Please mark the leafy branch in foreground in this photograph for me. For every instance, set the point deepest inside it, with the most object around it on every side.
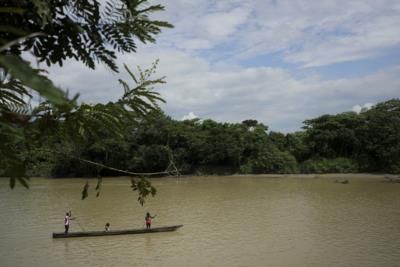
(144, 189)
(76, 124)
(143, 91)
(89, 31)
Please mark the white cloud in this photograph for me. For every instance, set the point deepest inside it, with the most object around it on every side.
(311, 33)
(270, 95)
(189, 116)
(358, 108)
(194, 44)
(99, 85)
(365, 41)
(222, 24)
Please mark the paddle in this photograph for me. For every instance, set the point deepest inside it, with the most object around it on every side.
(74, 218)
(70, 216)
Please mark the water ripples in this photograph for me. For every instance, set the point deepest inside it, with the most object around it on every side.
(228, 221)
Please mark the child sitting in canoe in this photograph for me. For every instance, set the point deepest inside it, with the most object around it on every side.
(107, 227)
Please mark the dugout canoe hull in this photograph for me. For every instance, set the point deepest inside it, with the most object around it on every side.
(118, 232)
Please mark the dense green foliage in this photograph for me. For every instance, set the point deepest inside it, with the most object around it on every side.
(371, 139)
(342, 143)
(85, 30)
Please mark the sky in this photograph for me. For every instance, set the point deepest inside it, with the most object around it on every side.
(276, 61)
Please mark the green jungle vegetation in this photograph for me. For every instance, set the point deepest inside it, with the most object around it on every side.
(63, 137)
(343, 143)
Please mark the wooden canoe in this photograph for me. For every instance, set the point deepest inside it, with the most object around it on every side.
(117, 232)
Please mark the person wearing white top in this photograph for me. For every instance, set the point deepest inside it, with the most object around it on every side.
(67, 220)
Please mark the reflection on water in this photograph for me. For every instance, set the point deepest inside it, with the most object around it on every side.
(228, 221)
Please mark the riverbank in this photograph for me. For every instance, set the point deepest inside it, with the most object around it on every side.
(333, 176)
(324, 175)
(343, 178)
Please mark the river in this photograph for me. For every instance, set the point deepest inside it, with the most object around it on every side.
(228, 221)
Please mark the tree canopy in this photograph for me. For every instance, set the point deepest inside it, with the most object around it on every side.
(346, 142)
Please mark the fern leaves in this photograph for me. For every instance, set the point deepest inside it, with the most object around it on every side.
(21, 70)
(141, 98)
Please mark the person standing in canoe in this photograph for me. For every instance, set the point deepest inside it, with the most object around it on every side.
(148, 219)
(67, 220)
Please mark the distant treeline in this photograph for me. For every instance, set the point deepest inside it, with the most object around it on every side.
(368, 141)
